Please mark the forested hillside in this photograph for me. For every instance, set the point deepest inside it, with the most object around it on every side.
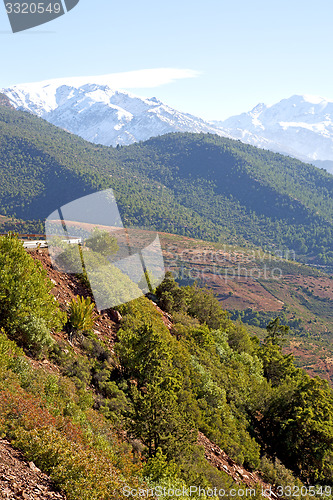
(198, 185)
(265, 198)
(103, 406)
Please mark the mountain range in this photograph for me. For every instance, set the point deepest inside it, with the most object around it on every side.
(102, 115)
(214, 405)
(300, 126)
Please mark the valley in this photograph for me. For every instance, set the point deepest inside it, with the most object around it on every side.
(265, 286)
(202, 187)
(166, 251)
(255, 287)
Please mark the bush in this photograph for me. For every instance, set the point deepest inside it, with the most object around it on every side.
(35, 335)
(277, 474)
(102, 242)
(84, 474)
(25, 299)
(81, 314)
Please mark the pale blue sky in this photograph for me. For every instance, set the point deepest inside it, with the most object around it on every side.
(245, 52)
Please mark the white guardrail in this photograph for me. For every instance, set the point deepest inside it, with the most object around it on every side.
(43, 243)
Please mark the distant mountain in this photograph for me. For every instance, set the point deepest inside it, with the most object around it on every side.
(91, 109)
(301, 126)
(198, 185)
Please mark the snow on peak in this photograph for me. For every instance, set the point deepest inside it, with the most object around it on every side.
(95, 110)
(259, 108)
(301, 126)
(311, 99)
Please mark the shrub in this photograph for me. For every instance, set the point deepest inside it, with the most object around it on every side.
(81, 314)
(25, 299)
(102, 242)
(8, 352)
(36, 335)
(277, 474)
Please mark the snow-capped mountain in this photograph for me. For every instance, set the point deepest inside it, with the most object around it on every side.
(301, 126)
(100, 114)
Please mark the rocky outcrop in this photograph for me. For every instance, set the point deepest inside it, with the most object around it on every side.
(5, 101)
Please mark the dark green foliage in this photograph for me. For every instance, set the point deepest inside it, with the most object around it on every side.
(197, 302)
(265, 198)
(102, 242)
(276, 473)
(277, 366)
(204, 306)
(79, 369)
(162, 386)
(298, 425)
(262, 318)
(171, 379)
(240, 340)
(296, 422)
(22, 226)
(35, 334)
(171, 296)
(255, 390)
(276, 332)
(159, 417)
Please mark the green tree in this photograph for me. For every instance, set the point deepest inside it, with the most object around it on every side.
(171, 296)
(298, 427)
(277, 366)
(25, 299)
(159, 420)
(102, 242)
(158, 416)
(276, 332)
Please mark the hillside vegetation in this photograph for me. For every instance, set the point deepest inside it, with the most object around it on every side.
(198, 185)
(257, 286)
(103, 416)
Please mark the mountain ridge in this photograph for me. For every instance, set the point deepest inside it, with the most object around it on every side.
(198, 185)
(103, 115)
(300, 126)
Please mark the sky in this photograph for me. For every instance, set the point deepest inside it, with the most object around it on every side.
(213, 59)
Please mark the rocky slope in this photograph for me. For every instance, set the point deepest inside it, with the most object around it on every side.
(20, 479)
(68, 286)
